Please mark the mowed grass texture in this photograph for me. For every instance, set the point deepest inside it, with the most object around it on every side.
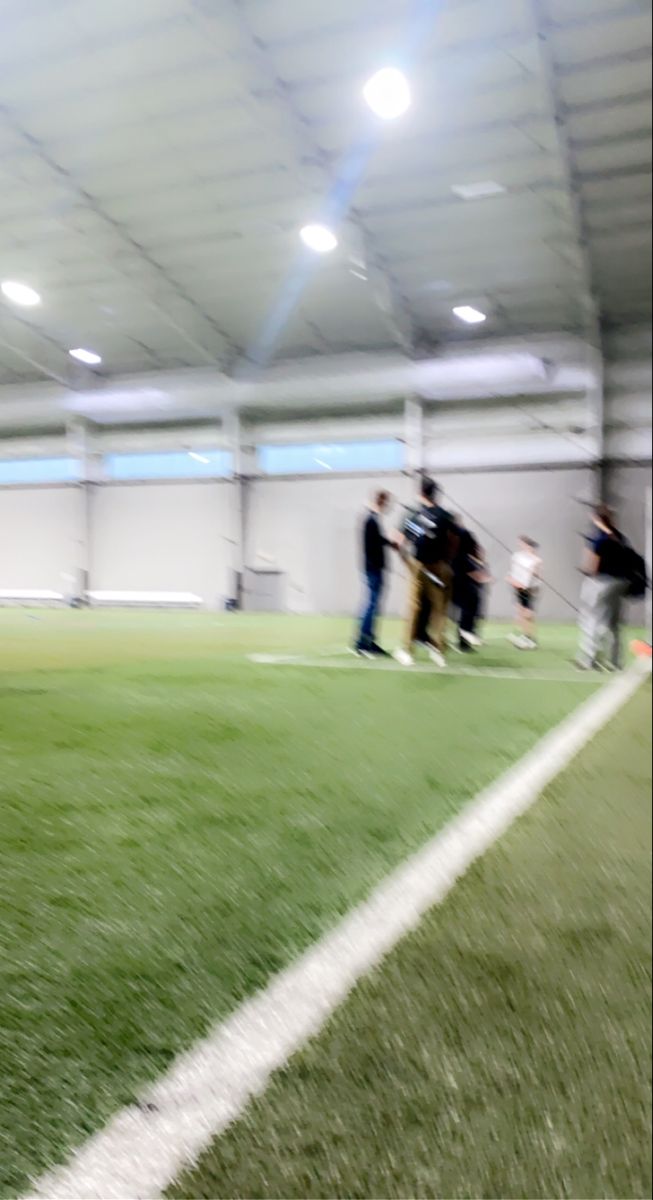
(179, 823)
(504, 1049)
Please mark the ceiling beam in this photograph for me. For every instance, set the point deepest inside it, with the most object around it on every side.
(602, 61)
(40, 352)
(130, 261)
(386, 10)
(625, 100)
(590, 305)
(313, 167)
(589, 299)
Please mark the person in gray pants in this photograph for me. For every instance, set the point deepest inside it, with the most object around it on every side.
(606, 583)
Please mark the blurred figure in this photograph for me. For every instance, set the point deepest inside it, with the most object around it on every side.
(375, 545)
(466, 586)
(428, 542)
(472, 578)
(524, 578)
(422, 634)
(607, 565)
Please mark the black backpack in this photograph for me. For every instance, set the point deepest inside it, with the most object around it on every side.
(636, 574)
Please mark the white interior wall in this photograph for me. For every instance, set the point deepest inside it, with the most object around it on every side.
(171, 537)
(39, 532)
(164, 537)
(179, 536)
(308, 528)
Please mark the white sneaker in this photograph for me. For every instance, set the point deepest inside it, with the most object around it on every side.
(436, 657)
(521, 642)
(471, 638)
(524, 643)
(403, 657)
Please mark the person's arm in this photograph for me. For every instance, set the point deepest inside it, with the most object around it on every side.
(510, 577)
(590, 561)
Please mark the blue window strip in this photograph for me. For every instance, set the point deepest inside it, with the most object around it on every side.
(168, 465)
(39, 470)
(322, 458)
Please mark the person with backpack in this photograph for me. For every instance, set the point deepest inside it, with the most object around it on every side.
(609, 566)
(428, 544)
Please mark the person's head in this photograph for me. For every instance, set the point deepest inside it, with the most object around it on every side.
(603, 518)
(528, 543)
(381, 501)
(428, 490)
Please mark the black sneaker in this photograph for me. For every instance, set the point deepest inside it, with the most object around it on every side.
(378, 651)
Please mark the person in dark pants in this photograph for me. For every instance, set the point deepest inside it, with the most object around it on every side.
(470, 574)
(375, 545)
(606, 567)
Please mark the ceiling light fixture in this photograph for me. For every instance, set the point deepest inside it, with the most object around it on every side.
(89, 357)
(319, 238)
(387, 93)
(20, 293)
(471, 316)
(477, 191)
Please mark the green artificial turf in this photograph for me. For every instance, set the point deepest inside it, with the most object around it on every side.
(179, 823)
(504, 1049)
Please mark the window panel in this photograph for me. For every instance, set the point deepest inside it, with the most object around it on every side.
(321, 457)
(175, 464)
(39, 470)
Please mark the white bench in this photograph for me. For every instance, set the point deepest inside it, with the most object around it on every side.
(30, 596)
(120, 599)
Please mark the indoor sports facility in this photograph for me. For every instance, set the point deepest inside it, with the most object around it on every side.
(325, 622)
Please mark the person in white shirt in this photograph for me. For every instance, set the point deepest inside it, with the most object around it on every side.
(524, 578)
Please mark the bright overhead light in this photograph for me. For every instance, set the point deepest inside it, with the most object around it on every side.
(85, 356)
(319, 238)
(388, 93)
(471, 316)
(20, 293)
(198, 457)
(477, 191)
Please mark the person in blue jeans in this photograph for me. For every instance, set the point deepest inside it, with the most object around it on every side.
(375, 545)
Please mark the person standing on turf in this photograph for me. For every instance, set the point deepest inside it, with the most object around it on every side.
(375, 545)
(524, 578)
(606, 566)
(428, 542)
(470, 574)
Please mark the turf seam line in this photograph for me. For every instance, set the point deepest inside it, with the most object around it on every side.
(356, 664)
(146, 1145)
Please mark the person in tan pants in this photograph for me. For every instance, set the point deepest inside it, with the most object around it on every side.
(428, 543)
(423, 587)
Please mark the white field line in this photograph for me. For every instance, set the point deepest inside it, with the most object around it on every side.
(357, 664)
(146, 1145)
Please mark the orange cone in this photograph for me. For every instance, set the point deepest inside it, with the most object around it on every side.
(641, 649)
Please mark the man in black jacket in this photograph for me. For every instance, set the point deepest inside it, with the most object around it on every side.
(429, 544)
(375, 546)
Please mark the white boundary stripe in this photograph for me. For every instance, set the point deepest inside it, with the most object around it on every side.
(357, 664)
(145, 1146)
